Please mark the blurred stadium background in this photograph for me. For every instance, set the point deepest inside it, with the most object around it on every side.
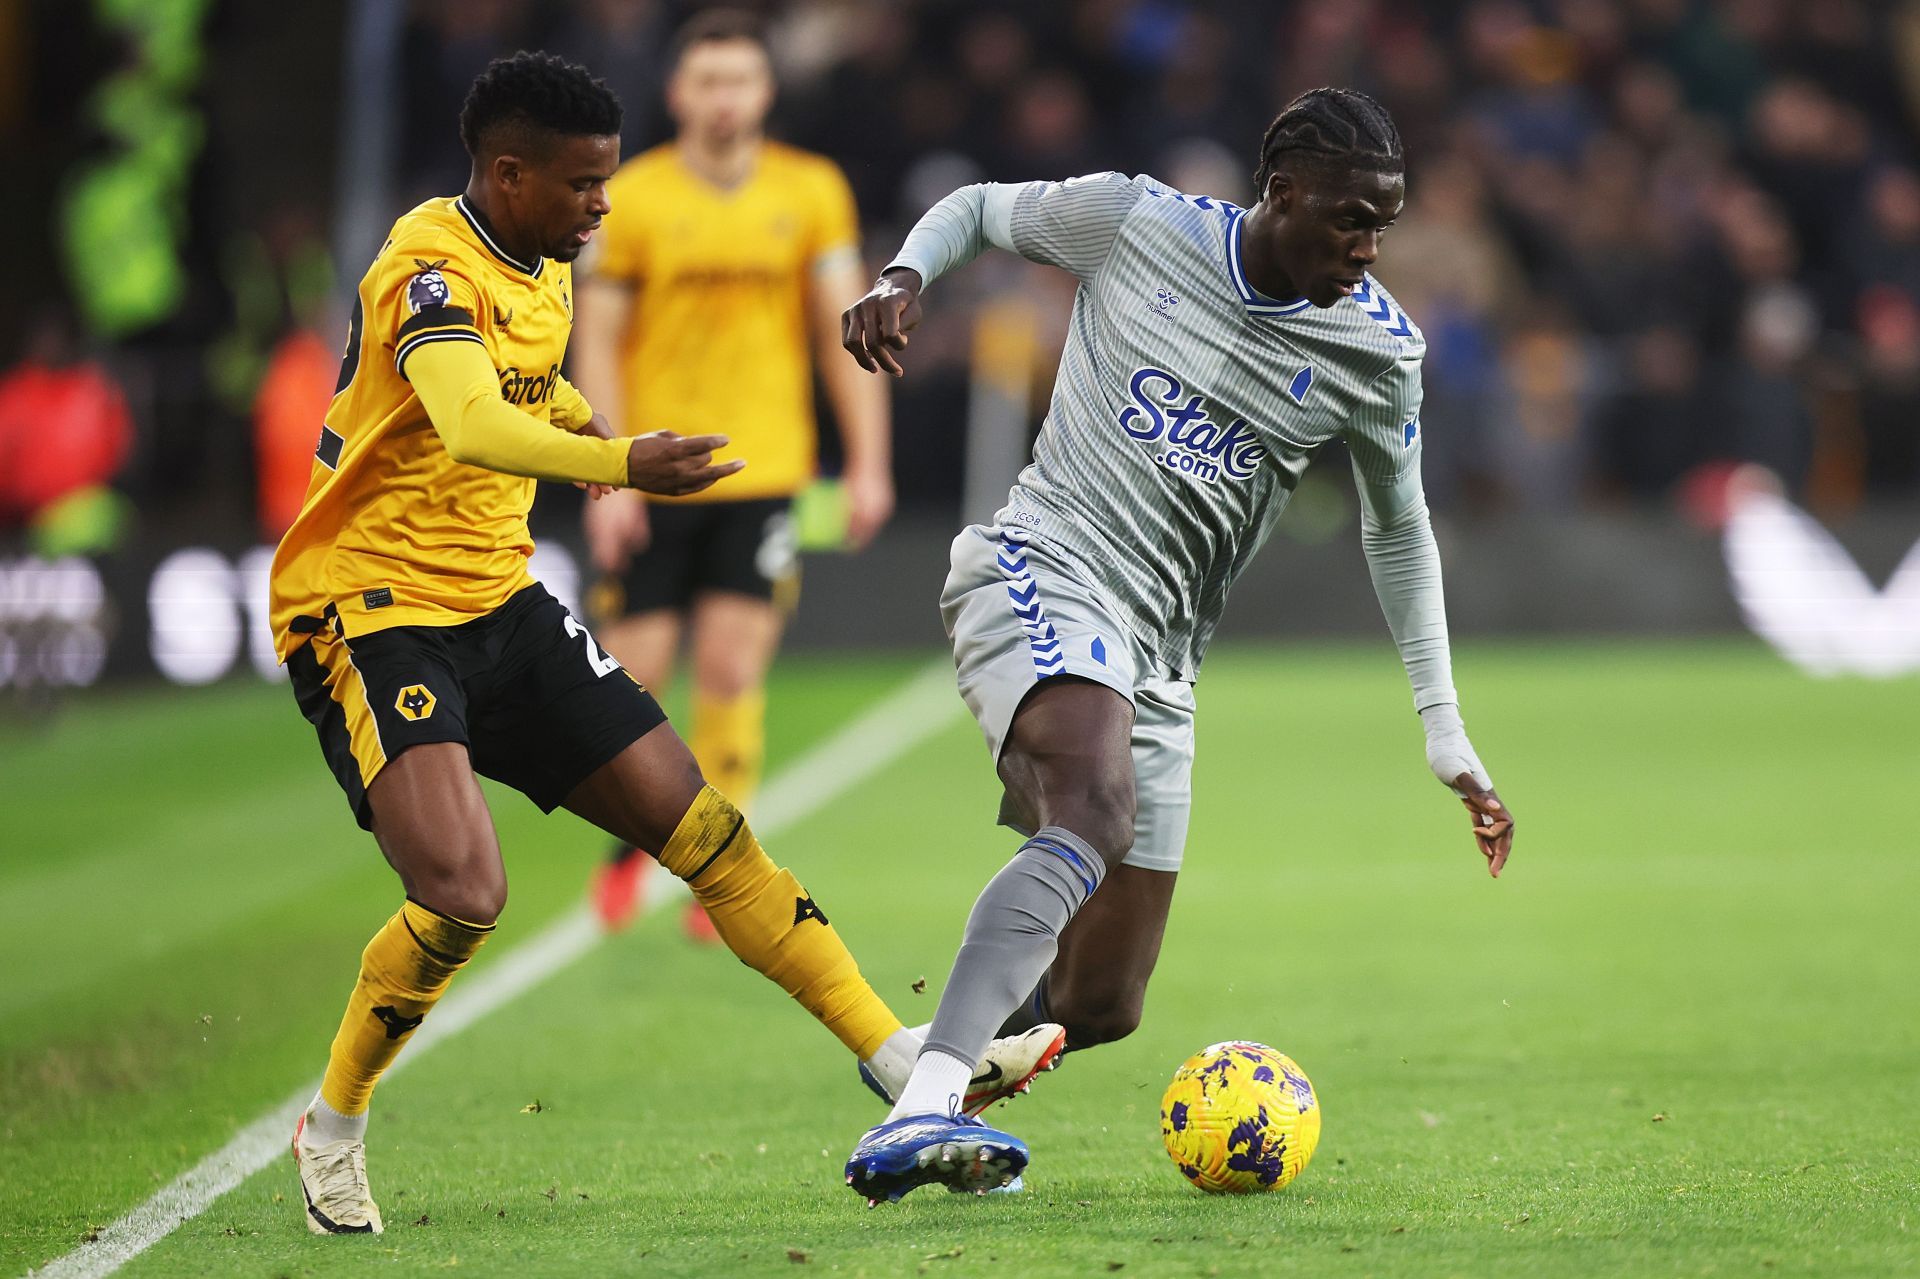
(1644, 238)
(1648, 240)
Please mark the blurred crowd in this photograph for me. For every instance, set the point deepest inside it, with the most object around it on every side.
(1641, 235)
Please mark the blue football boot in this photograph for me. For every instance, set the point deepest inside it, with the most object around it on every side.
(958, 1152)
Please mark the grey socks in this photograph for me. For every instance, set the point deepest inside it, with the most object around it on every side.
(1012, 937)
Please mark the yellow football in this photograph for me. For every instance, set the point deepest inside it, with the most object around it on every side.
(1240, 1117)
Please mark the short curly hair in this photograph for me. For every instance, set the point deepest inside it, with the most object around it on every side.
(1339, 126)
(517, 98)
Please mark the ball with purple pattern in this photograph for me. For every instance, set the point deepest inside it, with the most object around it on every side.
(1240, 1117)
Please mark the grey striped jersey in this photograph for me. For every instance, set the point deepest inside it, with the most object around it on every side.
(1187, 405)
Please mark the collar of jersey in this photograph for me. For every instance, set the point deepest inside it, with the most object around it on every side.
(478, 221)
(1256, 302)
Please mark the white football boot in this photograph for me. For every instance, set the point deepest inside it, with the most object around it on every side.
(1006, 1070)
(333, 1180)
(1010, 1064)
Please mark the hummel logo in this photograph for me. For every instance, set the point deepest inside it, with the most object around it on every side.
(1164, 300)
(396, 1024)
(804, 909)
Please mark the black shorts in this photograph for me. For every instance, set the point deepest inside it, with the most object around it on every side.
(746, 547)
(537, 702)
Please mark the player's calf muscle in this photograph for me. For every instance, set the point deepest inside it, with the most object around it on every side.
(1107, 1017)
(1097, 1002)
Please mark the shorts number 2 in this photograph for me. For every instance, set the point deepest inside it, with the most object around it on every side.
(601, 663)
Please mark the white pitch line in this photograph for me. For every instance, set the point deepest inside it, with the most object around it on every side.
(908, 716)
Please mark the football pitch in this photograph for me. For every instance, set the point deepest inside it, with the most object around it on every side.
(1679, 1036)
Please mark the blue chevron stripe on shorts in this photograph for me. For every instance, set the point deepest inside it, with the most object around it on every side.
(1042, 639)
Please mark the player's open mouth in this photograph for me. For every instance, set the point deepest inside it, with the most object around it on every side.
(581, 237)
(1347, 287)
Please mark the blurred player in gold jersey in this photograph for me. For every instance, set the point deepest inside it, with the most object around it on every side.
(717, 280)
(423, 652)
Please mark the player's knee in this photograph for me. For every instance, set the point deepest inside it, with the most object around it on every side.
(468, 903)
(469, 888)
(657, 815)
(726, 677)
(1099, 810)
(486, 901)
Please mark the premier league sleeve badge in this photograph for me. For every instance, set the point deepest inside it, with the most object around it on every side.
(428, 288)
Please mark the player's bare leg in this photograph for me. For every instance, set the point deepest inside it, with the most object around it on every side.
(433, 827)
(644, 643)
(641, 794)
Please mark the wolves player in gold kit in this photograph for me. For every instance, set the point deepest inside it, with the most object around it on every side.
(423, 652)
(710, 296)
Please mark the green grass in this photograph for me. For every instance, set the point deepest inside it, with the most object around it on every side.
(1678, 1037)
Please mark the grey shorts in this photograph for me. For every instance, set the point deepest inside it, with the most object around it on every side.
(1015, 616)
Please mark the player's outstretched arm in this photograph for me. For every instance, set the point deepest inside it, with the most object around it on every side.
(1071, 225)
(956, 230)
(460, 391)
(1404, 562)
(458, 388)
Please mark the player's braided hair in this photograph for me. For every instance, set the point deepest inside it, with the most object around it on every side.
(1331, 125)
(537, 92)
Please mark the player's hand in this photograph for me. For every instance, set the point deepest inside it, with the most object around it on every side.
(599, 427)
(617, 530)
(674, 465)
(869, 503)
(1492, 821)
(876, 326)
(1451, 757)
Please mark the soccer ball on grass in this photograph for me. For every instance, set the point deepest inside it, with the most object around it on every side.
(1240, 1117)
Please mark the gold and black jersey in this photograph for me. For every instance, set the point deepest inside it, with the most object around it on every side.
(393, 531)
(721, 280)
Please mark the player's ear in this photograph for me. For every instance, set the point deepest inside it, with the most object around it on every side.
(1279, 193)
(507, 171)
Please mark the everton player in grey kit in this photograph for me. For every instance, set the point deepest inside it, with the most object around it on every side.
(1212, 351)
